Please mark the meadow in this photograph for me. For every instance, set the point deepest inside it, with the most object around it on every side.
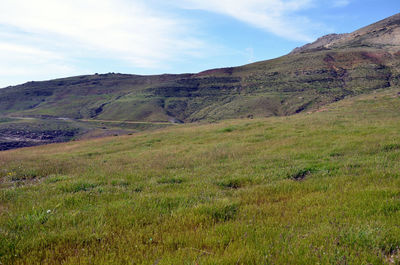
(314, 188)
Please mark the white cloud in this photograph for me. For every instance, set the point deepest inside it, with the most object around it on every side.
(341, 3)
(122, 28)
(43, 39)
(25, 52)
(30, 63)
(43, 31)
(275, 16)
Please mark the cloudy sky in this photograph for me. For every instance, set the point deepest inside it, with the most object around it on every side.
(45, 39)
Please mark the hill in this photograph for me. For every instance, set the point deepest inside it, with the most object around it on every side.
(317, 188)
(332, 68)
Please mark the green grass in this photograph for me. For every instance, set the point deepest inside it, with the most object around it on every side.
(283, 86)
(320, 188)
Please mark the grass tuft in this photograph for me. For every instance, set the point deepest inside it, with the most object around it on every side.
(301, 174)
(227, 129)
(220, 213)
(168, 180)
(234, 183)
(391, 147)
(78, 186)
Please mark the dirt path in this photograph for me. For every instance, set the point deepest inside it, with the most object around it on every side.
(89, 120)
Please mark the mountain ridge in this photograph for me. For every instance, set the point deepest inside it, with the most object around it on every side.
(384, 32)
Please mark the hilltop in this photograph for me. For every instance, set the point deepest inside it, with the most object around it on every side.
(382, 34)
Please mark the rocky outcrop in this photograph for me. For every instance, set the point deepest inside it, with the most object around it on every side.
(382, 34)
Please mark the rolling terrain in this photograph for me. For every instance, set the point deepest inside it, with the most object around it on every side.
(317, 188)
(294, 160)
(328, 70)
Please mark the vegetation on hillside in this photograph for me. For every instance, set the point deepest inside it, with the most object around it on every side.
(305, 189)
(328, 70)
(283, 86)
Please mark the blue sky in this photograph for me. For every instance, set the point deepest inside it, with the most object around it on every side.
(45, 39)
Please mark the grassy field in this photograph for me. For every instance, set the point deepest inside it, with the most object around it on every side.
(313, 188)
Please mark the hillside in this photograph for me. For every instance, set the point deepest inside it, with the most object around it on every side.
(332, 68)
(316, 188)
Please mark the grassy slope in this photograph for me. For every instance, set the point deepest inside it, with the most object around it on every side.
(305, 189)
(282, 86)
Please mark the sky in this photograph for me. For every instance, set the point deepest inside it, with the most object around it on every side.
(47, 39)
